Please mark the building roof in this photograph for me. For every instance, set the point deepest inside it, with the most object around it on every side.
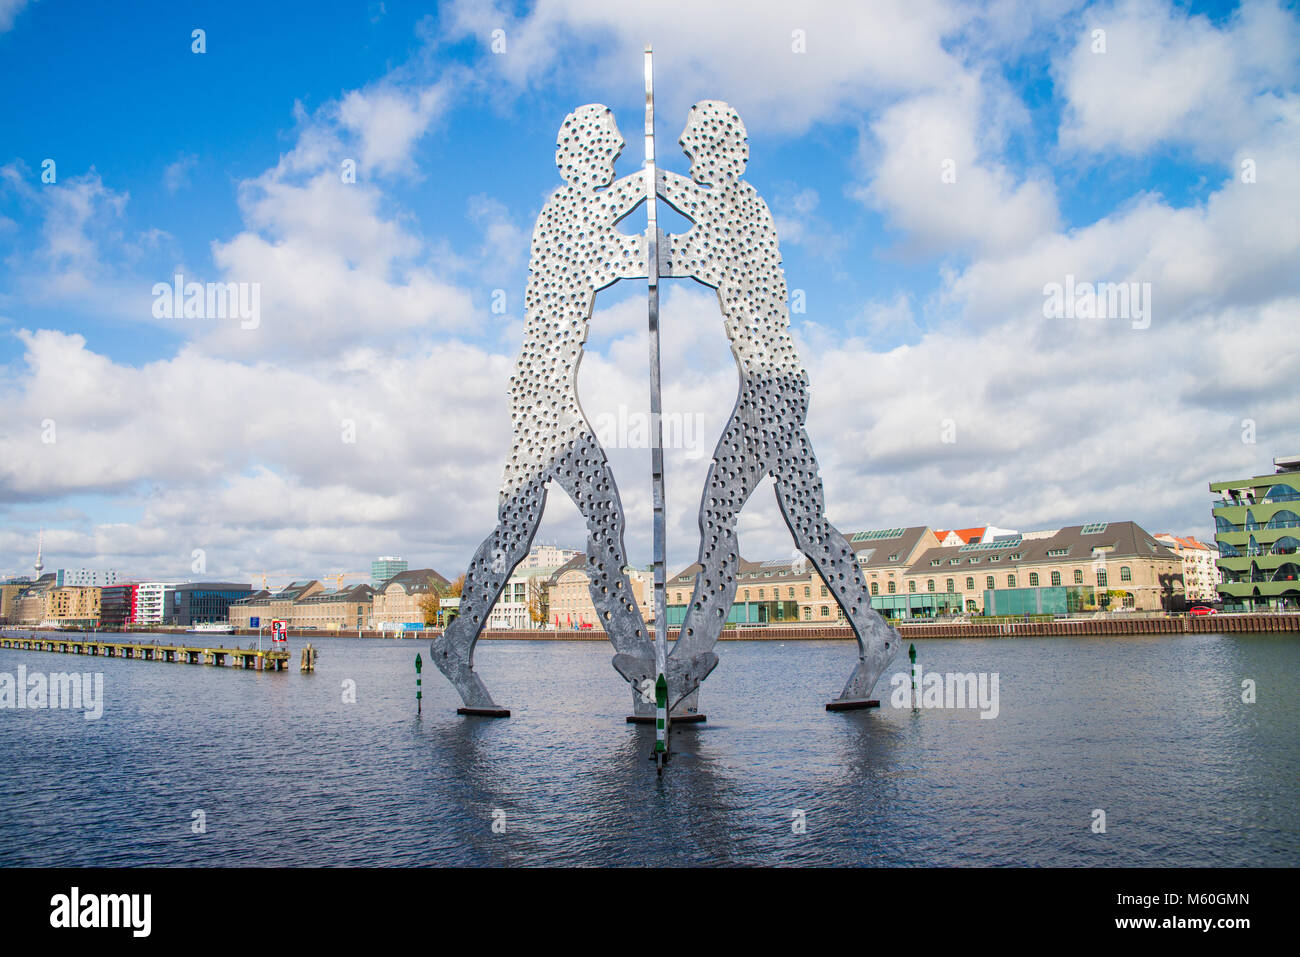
(295, 590)
(356, 594)
(1188, 542)
(578, 561)
(415, 581)
(890, 548)
(1071, 544)
(965, 534)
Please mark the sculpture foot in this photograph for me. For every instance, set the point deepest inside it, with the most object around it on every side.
(875, 651)
(684, 676)
(464, 679)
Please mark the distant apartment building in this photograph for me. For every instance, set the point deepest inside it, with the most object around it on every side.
(1257, 530)
(116, 606)
(1200, 566)
(10, 592)
(346, 609)
(546, 556)
(195, 603)
(399, 603)
(72, 605)
(84, 577)
(910, 574)
(384, 568)
(569, 593)
(267, 606)
(149, 598)
(29, 605)
(527, 592)
(1097, 566)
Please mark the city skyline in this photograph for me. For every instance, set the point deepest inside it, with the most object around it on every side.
(928, 192)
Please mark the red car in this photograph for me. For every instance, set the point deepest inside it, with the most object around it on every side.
(1202, 610)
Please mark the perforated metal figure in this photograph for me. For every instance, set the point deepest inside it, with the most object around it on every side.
(576, 252)
(732, 248)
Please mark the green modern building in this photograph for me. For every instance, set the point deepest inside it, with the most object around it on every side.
(1257, 528)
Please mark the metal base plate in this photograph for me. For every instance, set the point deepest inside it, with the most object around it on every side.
(675, 719)
(852, 704)
(485, 712)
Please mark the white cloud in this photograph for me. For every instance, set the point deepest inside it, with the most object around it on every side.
(1166, 77)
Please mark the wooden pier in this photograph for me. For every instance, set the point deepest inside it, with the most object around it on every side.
(249, 659)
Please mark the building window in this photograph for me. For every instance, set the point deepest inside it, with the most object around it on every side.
(891, 588)
(760, 594)
(1056, 579)
(911, 587)
(988, 582)
(826, 611)
(1011, 581)
(807, 613)
(824, 591)
(746, 594)
(807, 591)
(970, 584)
(950, 585)
(1033, 579)
(929, 585)
(875, 589)
(1078, 576)
(791, 591)
(1125, 573)
(1101, 578)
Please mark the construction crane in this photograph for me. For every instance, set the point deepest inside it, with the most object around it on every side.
(338, 578)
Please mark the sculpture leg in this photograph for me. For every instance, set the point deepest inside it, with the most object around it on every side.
(585, 474)
(738, 466)
(801, 498)
(496, 558)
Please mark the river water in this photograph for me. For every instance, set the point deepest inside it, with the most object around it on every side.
(1152, 730)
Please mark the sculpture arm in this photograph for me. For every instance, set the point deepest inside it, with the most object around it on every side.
(628, 253)
(683, 249)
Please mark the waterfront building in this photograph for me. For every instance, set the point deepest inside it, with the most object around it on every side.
(527, 593)
(149, 598)
(569, 592)
(790, 589)
(547, 557)
(29, 605)
(345, 609)
(397, 605)
(10, 591)
(84, 577)
(1257, 530)
(384, 568)
(266, 606)
(1200, 566)
(910, 574)
(72, 605)
(1124, 565)
(116, 606)
(195, 603)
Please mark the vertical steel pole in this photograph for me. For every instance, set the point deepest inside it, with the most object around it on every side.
(656, 405)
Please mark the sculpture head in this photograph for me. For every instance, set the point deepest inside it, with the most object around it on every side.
(716, 142)
(587, 146)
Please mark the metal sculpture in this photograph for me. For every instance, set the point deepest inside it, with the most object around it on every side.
(732, 248)
(576, 252)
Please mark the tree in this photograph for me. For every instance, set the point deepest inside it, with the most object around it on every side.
(539, 600)
(429, 604)
(456, 587)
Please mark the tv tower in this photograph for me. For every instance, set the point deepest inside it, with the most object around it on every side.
(40, 541)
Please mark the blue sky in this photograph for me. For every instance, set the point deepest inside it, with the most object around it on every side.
(924, 297)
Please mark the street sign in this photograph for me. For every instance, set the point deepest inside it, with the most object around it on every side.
(254, 622)
(279, 629)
